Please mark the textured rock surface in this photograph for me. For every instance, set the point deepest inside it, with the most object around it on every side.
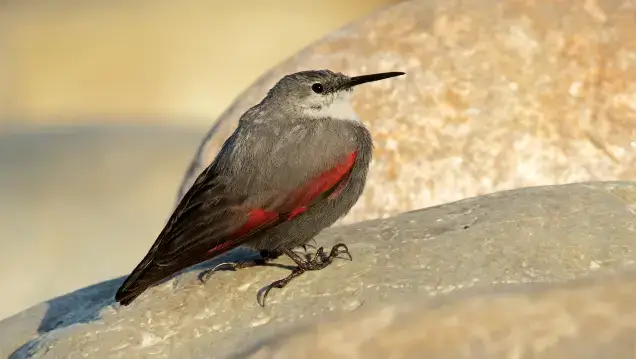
(498, 95)
(533, 235)
(589, 320)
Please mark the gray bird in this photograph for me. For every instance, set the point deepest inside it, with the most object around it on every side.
(296, 163)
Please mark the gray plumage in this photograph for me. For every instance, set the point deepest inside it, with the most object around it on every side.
(296, 163)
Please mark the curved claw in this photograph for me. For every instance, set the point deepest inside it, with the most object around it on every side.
(305, 246)
(335, 251)
(314, 246)
(262, 295)
(231, 264)
(280, 284)
(205, 275)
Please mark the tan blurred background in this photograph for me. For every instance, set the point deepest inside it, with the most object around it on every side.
(102, 105)
(67, 57)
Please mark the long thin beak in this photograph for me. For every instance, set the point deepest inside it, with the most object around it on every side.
(358, 80)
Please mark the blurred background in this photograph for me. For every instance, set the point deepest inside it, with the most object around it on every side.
(102, 106)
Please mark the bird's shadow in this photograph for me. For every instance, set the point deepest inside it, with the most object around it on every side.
(62, 311)
(84, 305)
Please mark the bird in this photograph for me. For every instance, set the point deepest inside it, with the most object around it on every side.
(295, 164)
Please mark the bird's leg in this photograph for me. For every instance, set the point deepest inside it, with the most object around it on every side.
(281, 283)
(319, 261)
(266, 256)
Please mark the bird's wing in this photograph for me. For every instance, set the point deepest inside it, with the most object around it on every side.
(210, 220)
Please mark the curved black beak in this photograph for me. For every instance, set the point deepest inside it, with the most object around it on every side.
(358, 80)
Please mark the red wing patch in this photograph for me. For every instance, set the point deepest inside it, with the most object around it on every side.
(323, 183)
(256, 218)
(306, 194)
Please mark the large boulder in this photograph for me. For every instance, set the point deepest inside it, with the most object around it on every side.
(498, 95)
(593, 319)
(520, 238)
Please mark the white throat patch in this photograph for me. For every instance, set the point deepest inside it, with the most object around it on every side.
(339, 109)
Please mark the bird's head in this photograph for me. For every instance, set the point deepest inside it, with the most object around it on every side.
(321, 93)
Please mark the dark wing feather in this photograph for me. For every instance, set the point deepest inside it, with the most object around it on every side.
(199, 228)
(210, 221)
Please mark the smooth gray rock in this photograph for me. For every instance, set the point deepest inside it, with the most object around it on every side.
(593, 318)
(532, 235)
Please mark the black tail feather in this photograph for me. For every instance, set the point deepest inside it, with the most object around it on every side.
(125, 297)
(134, 285)
(147, 274)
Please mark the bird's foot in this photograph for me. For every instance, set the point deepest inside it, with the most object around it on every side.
(281, 283)
(230, 266)
(233, 266)
(336, 251)
(319, 261)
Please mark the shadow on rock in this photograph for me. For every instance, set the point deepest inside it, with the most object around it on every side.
(80, 306)
(84, 305)
(63, 311)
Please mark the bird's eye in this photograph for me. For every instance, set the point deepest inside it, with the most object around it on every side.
(317, 88)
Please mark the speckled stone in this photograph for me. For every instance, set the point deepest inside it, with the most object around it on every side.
(521, 238)
(580, 320)
(498, 95)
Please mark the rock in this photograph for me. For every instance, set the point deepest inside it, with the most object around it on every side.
(575, 320)
(498, 95)
(545, 235)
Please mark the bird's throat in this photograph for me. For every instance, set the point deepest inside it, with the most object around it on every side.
(339, 109)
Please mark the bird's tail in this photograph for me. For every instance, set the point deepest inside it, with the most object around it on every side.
(145, 275)
(125, 296)
(138, 281)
